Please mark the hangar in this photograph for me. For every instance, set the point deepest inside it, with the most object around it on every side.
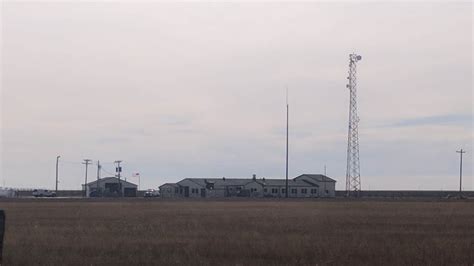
(110, 187)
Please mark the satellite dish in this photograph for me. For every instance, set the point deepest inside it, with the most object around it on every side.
(359, 57)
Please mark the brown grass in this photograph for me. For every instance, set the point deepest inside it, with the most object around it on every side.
(140, 232)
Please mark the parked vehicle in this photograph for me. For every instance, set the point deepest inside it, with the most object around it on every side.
(43, 193)
(151, 193)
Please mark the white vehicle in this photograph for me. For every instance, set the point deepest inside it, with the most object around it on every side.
(151, 193)
(43, 193)
(7, 193)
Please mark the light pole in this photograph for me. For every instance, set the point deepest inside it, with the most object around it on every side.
(461, 152)
(118, 170)
(57, 165)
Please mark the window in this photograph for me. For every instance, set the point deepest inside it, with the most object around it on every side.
(169, 189)
(327, 191)
(283, 190)
(175, 190)
(274, 190)
(293, 190)
(304, 190)
(265, 190)
(313, 191)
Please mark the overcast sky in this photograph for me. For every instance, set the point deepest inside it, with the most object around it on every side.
(181, 90)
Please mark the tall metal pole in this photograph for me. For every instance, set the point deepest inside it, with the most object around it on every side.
(86, 162)
(353, 183)
(287, 131)
(461, 152)
(57, 166)
(118, 170)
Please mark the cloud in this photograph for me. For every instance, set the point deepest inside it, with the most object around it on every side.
(445, 120)
(183, 89)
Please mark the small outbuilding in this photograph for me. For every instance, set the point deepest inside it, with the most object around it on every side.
(169, 190)
(110, 187)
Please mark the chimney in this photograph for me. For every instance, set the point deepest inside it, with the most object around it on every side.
(223, 178)
(254, 177)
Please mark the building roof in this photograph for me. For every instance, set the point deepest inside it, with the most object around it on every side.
(111, 179)
(220, 182)
(318, 177)
(291, 183)
(225, 182)
(169, 184)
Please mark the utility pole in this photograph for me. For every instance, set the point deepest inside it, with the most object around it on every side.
(287, 131)
(353, 184)
(57, 166)
(98, 178)
(118, 170)
(461, 152)
(86, 162)
(324, 180)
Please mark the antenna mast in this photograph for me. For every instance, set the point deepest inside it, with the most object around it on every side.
(287, 126)
(353, 184)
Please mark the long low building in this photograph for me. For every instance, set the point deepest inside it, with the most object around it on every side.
(303, 186)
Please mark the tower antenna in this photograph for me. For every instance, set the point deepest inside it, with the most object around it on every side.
(353, 184)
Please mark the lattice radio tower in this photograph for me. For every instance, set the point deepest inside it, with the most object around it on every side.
(353, 185)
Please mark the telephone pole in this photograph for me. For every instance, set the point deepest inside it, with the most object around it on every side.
(118, 170)
(86, 162)
(98, 177)
(461, 152)
(57, 166)
(324, 181)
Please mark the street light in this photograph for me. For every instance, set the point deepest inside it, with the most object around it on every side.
(57, 163)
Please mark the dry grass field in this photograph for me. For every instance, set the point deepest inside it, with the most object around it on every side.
(265, 232)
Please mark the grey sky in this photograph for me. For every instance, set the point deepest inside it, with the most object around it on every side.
(198, 90)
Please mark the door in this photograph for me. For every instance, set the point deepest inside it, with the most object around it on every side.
(203, 192)
(130, 192)
(186, 192)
